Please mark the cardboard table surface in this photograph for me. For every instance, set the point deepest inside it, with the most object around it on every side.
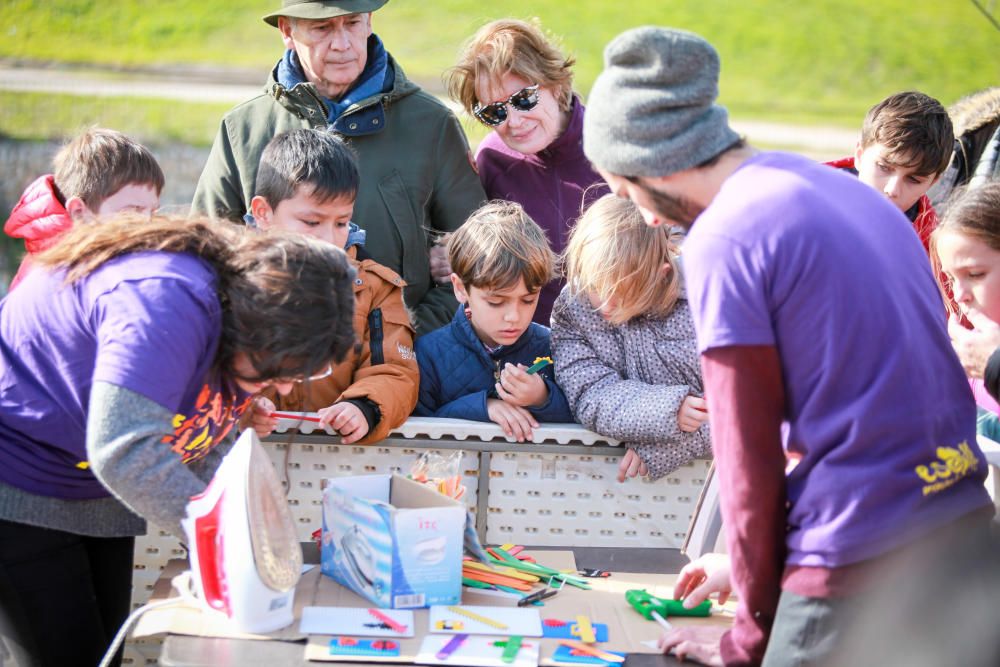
(200, 638)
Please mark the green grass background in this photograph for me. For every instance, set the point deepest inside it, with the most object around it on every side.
(813, 61)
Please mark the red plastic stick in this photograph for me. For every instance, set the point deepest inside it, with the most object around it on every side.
(393, 624)
(286, 415)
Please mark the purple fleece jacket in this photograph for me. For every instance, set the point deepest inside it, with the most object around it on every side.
(552, 186)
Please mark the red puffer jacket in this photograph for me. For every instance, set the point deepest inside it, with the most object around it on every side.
(40, 219)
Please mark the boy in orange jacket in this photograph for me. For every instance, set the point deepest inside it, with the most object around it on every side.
(307, 183)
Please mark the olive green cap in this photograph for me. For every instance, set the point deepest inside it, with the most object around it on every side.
(322, 9)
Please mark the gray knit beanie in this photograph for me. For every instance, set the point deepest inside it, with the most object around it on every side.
(652, 110)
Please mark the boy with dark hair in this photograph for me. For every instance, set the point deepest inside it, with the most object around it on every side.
(97, 174)
(906, 143)
(476, 367)
(307, 182)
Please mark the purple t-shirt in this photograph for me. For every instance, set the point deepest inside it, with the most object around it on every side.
(806, 258)
(148, 322)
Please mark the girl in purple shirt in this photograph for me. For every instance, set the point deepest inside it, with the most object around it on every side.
(125, 359)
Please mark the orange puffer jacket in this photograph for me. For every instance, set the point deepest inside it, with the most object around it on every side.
(382, 367)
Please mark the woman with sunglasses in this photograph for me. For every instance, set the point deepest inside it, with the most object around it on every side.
(126, 357)
(516, 81)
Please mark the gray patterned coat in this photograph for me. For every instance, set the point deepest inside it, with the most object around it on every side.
(627, 382)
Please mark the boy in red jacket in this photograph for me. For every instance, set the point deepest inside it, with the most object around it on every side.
(906, 143)
(99, 173)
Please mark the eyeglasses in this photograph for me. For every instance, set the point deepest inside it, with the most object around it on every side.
(495, 113)
(325, 373)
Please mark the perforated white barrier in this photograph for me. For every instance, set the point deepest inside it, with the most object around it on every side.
(559, 490)
(576, 500)
(305, 465)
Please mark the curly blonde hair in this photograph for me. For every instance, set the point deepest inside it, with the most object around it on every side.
(510, 46)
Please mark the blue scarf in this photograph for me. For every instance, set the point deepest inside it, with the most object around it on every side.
(371, 82)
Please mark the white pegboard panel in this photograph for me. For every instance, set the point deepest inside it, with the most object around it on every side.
(152, 551)
(308, 464)
(141, 653)
(575, 500)
(437, 428)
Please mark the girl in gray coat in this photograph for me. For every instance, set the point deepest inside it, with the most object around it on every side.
(624, 342)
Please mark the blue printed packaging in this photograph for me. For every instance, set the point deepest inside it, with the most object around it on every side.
(394, 541)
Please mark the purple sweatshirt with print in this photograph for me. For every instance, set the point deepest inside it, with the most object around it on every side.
(148, 322)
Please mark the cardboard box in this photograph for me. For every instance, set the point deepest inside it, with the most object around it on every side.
(394, 541)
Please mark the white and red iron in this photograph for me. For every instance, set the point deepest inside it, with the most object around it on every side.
(245, 556)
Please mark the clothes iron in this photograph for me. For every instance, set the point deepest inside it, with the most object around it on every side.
(356, 555)
(245, 556)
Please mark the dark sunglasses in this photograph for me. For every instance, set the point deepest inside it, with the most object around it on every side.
(495, 114)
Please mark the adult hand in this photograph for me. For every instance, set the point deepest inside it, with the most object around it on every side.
(631, 466)
(974, 346)
(702, 577)
(346, 419)
(697, 642)
(514, 420)
(692, 413)
(517, 387)
(440, 266)
(260, 419)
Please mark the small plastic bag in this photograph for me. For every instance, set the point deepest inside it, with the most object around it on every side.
(442, 472)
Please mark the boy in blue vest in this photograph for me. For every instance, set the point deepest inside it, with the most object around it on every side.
(477, 366)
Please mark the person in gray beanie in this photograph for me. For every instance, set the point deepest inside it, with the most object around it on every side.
(792, 268)
(667, 90)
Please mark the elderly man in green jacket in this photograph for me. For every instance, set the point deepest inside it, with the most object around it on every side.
(417, 180)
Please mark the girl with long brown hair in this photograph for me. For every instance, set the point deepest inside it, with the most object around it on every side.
(126, 358)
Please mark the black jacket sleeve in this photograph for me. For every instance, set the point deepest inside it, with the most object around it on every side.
(991, 375)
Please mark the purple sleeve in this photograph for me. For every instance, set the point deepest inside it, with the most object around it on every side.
(155, 336)
(728, 291)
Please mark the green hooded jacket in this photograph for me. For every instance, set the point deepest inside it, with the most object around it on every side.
(417, 178)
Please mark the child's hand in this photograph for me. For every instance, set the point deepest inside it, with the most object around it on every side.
(702, 577)
(974, 346)
(514, 420)
(631, 466)
(692, 414)
(260, 419)
(346, 419)
(518, 388)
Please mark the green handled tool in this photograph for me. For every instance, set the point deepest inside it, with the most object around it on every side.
(540, 363)
(654, 608)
